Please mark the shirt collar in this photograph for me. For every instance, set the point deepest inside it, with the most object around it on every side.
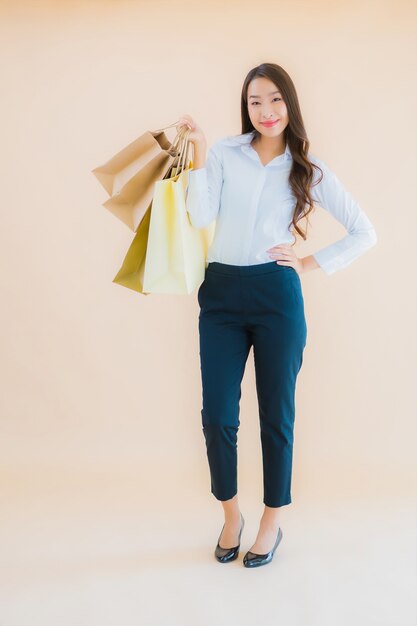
(244, 141)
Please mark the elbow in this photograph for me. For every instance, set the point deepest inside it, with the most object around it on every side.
(200, 213)
(371, 238)
(200, 221)
(366, 238)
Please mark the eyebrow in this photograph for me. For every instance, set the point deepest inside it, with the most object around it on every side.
(270, 94)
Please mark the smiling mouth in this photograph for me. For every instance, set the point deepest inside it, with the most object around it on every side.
(270, 123)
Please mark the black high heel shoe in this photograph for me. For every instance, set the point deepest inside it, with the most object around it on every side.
(224, 555)
(251, 559)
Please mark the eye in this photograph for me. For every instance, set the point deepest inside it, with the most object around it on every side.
(276, 98)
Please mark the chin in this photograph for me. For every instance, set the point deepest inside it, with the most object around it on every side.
(269, 132)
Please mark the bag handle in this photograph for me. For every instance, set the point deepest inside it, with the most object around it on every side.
(184, 150)
(173, 149)
(164, 127)
(180, 138)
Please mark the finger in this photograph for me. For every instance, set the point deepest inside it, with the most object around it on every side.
(188, 119)
(287, 263)
(279, 246)
(184, 123)
(280, 253)
(184, 120)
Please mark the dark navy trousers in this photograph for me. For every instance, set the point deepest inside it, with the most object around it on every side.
(242, 306)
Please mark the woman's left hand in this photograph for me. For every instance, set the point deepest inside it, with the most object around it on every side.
(286, 256)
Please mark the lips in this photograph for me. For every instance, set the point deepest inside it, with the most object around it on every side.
(270, 123)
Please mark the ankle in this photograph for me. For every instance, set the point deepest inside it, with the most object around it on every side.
(232, 517)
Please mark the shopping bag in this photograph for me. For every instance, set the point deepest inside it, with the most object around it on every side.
(131, 273)
(176, 250)
(129, 176)
(168, 254)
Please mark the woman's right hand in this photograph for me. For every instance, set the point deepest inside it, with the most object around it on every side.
(196, 136)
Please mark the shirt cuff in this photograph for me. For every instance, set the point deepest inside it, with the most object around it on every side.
(327, 264)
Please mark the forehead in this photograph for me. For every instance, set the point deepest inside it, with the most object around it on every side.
(262, 86)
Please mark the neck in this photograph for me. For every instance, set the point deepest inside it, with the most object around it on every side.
(274, 145)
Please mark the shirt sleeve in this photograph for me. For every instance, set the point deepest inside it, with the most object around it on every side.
(204, 189)
(331, 195)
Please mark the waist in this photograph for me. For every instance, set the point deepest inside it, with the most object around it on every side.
(244, 270)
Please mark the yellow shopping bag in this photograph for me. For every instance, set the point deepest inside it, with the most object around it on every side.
(176, 251)
(130, 275)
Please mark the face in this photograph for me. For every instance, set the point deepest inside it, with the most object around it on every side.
(266, 104)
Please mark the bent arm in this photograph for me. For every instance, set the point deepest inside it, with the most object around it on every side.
(205, 183)
(334, 198)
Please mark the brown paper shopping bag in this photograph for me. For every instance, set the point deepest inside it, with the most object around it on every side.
(129, 176)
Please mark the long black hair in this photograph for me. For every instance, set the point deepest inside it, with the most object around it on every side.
(301, 175)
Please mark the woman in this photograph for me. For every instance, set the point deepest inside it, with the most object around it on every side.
(258, 186)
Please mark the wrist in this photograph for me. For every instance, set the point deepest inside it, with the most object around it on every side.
(308, 263)
(200, 144)
(199, 154)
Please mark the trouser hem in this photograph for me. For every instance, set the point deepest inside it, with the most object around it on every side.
(275, 505)
(222, 498)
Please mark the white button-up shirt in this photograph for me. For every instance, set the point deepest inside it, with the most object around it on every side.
(253, 205)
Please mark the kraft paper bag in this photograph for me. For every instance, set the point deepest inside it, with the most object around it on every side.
(129, 176)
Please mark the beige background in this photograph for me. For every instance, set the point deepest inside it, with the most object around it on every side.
(107, 515)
